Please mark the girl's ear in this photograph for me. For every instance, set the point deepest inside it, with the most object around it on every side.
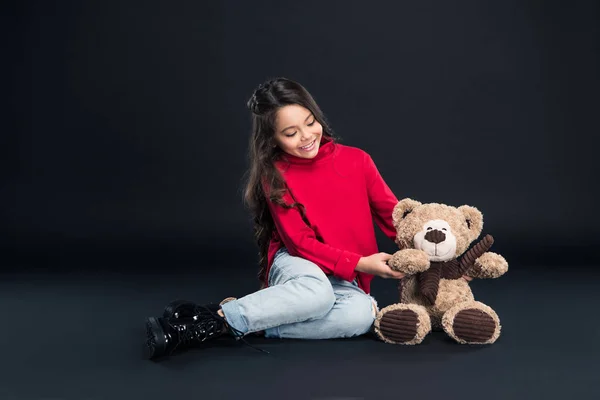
(402, 209)
(473, 220)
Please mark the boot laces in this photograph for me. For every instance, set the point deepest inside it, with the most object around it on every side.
(197, 332)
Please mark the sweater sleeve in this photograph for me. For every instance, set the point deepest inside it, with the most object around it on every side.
(381, 198)
(301, 241)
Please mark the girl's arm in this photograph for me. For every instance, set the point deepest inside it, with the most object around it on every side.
(381, 198)
(301, 241)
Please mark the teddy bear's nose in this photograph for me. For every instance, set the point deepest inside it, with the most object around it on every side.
(435, 236)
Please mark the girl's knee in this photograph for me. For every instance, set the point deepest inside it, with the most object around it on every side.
(320, 297)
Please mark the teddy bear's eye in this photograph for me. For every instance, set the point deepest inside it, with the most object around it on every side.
(444, 229)
(428, 228)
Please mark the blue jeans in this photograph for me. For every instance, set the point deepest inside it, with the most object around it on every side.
(301, 302)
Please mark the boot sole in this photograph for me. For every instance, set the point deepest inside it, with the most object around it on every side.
(156, 341)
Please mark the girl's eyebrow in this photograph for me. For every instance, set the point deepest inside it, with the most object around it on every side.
(309, 115)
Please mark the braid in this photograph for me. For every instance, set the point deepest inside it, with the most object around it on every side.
(262, 92)
(253, 104)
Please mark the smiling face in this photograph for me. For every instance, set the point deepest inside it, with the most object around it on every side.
(297, 132)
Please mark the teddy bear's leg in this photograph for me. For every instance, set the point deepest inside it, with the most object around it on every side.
(472, 323)
(402, 324)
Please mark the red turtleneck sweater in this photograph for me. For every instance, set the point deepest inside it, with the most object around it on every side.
(342, 192)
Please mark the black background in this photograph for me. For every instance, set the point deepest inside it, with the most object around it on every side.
(127, 128)
(123, 151)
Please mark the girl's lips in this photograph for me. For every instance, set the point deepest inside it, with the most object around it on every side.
(308, 147)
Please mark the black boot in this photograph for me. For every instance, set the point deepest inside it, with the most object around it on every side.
(188, 325)
(180, 308)
(185, 308)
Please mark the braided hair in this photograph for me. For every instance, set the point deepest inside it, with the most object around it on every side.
(264, 182)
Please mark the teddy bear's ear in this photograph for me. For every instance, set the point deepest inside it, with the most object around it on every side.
(473, 219)
(403, 208)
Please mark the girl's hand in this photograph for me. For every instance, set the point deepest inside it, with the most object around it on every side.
(376, 264)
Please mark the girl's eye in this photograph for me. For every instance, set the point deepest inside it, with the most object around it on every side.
(291, 134)
(312, 123)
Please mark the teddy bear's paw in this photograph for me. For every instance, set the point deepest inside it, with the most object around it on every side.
(402, 324)
(472, 323)
(409, 261)
(490, 265)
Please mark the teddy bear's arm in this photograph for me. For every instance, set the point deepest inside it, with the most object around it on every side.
(488, 265)
(409, 261)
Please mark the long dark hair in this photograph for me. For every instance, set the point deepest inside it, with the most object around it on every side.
(266, 100)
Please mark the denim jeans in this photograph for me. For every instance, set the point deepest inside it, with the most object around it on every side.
(301, 302)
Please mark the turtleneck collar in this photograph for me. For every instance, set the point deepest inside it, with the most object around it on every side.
(326, 149)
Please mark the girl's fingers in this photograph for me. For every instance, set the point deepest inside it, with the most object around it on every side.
(395, 274)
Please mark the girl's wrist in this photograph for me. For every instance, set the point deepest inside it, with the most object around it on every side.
(360, 264)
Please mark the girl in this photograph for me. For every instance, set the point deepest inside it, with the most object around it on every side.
(313, 201)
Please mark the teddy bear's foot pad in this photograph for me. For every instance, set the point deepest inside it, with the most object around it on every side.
(474, 326)
(402, 324)
(399, 325)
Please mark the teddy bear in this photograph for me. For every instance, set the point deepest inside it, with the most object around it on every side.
(435, 295)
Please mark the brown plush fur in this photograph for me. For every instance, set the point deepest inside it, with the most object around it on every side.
(450, 293)
(489, 265)
(407, 225)
(409, 293)
(409, 261)
(454, 295)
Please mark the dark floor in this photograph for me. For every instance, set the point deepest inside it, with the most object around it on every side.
(77, 334)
